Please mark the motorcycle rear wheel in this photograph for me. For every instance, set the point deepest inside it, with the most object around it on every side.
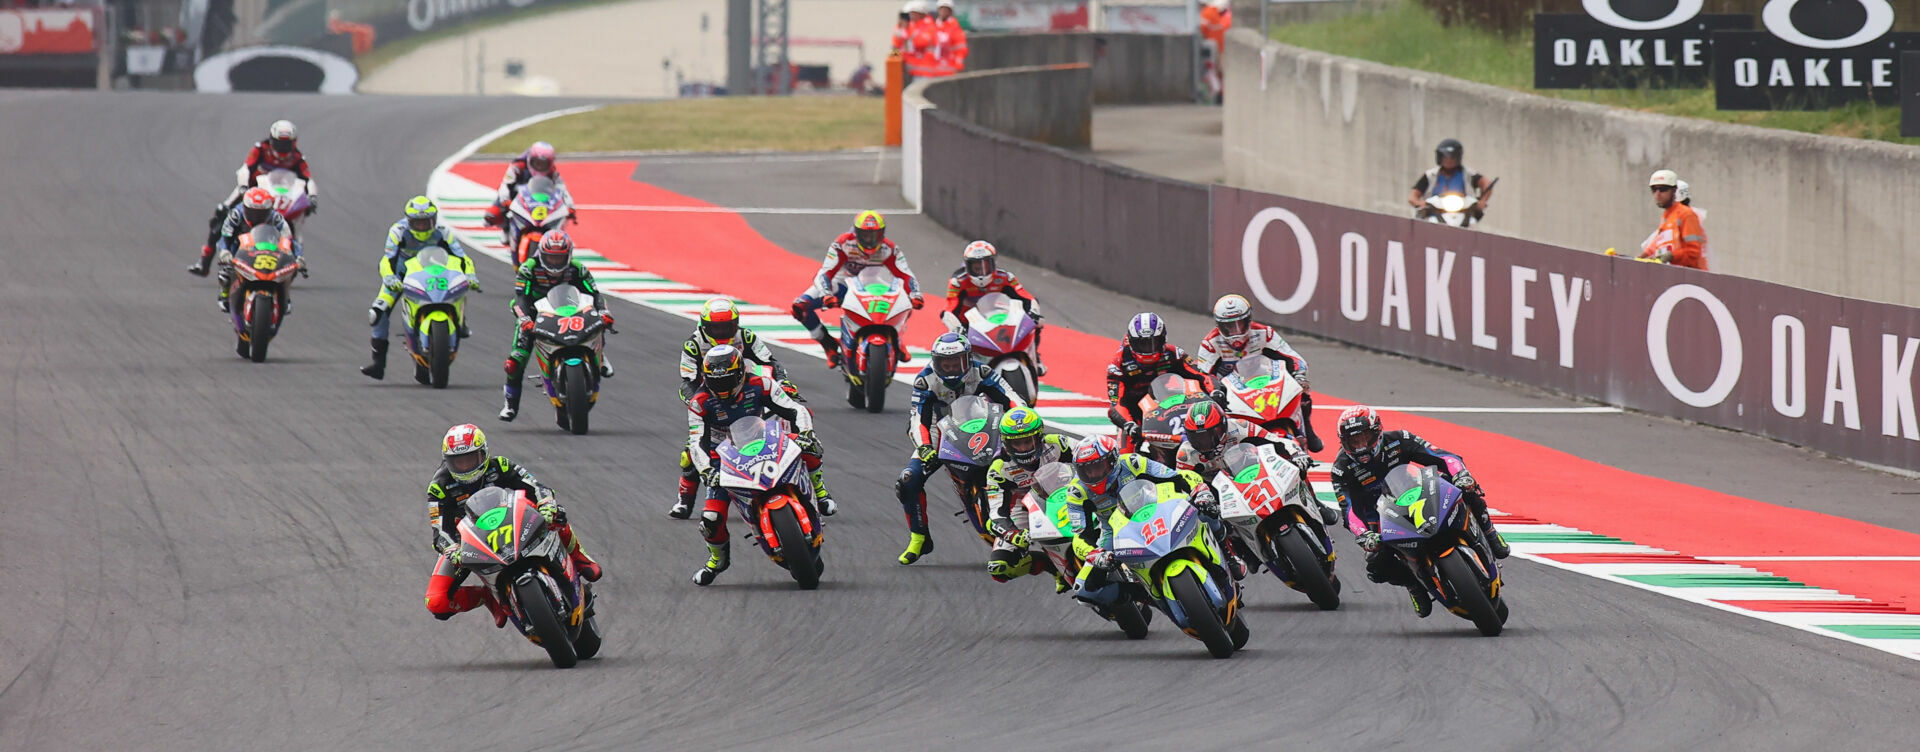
(537, 604)
(1201, 618)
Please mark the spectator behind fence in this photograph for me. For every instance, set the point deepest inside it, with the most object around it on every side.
(1680, 241)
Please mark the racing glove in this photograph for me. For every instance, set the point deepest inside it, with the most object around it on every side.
(925, 453)
(1101, 558)
(830, 301)
(1369, 541)
(1005, 530)
(810, 444)
(710, 477)
(391, 282)
(552, 513)
(919, 301)
(526, 325)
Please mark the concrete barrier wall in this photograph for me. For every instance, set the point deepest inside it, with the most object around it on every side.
(1051, 104)
(1828, 214)
(1127, 68)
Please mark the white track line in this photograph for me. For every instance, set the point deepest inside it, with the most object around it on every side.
(1511, 410)
(736, 209)
(1809, 558)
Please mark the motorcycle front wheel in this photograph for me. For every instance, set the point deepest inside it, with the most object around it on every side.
(537, 604)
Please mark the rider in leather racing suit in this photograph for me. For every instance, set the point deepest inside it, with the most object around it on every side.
(982, 276)
(728, 394)
(1144, 357)
(552, 267)
(465, 468)
(1024, 447)
(280, 150)
(1367, 453)
(719, 325)
(951, 373)
(1103, 471)
(255, 209)
(864, 245)
(418, 231)
(538, 161)
(1236, 335)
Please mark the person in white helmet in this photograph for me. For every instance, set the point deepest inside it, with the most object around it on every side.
(280, 150)
(980, 277)
(1236, 335)
(1680, 240)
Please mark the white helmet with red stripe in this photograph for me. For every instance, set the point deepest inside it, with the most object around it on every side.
(980, 263)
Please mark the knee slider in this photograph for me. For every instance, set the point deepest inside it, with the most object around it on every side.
(800, 307)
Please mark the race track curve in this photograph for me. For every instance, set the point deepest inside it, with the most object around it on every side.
(203, 553)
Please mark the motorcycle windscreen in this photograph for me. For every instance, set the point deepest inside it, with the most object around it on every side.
(567, 300)
(750, 455)
(1265, 385)
(1156, 525)
(1164, 406)
(874, 292)
(432, 279)
(284, 185)
(487, 530)
(1056, 510)
(1414, 503)
(970, 434)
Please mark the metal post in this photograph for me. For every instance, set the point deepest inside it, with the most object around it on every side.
(770, 49)
(739, 47)
(480, 70)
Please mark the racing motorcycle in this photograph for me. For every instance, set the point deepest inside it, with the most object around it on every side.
(1260, 390)
(1001, 334)
(761, 471)
(969, 441)
(1054, 516)
(510, 547)
(433, 305)
(264, 266)
(567, 343)
(1425, 521)
(872, 315)
(536, 210)
(1172, 550)
(1263, 500)
(289, 195)
(1161, 411)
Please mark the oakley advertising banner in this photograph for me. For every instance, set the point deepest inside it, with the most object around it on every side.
(398, 19)
(1627, 44)
(1823, 372)
(1811, 55)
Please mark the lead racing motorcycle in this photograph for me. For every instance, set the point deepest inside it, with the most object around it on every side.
(536, 210)
(1265, 504)
(264, 266)
(433, 306)
(511, 548)
(568, 344)
(1425, 521)
(1055, 514)
(761, 471)
(1161, 536)
(872, 315)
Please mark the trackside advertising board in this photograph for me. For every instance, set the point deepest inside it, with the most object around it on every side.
(1811, 55)
(1816, 370)
(1612, 47)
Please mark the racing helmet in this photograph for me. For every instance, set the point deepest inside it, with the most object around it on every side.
(556, 251)
(980, 264)
(1360, 432)
(1020, 432)
(951, 356)
(1093, 461)
(422, 217)
(720, 320)
(463, 452)
(1234, 317)
(257, 205)
(540, 158)
(869, 230)
(281, 137)
(1206, 428)
(1147, 338)
(722, 371)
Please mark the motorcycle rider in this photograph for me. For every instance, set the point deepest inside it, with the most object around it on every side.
(980, 277)
(553, 266)
(280, 150)
(1103, 470)
(419, 230)
(951, 373)
(1449, 175)
(864, 245)
(255, 209)
(538, 161)
(727, 394)
(465, 468)
(1025, 445)
(1143, 358)
(719, 325)
(1367, 453)
(1235, 335)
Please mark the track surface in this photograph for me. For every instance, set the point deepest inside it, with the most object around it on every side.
(203, 553)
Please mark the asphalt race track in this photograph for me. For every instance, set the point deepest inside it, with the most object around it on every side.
(203, 553)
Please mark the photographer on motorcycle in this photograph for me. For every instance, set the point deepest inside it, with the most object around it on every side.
(719, 325)
(1235, 335)
(552, 267)
(951, 373)
(864, 245)
(416, 232)
(538, 161)
(980, 277)
(255, 209)
(1143, 358)
(1025, 445)
(1449, 175)
(727, 394)
(1367, 453)
(280, 150)
(465, 468)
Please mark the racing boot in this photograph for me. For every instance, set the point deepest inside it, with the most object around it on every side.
(499, 610)
(512, 408)
(719, 557)
(683, 506)
(1422, 603)
(828, 345)
(589, 568)
(1060, 584)
(918, 545)
(606, 366)
(1494, 540)
(223, 300)
(377, 369)
(821, 496)
(205, 264)
(1314, 444)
